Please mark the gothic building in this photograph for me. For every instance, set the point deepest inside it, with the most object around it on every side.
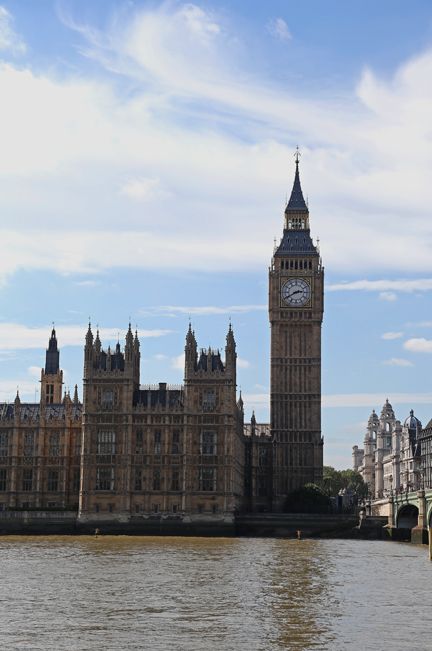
(131, 452)
(390, 460)
(40, 444)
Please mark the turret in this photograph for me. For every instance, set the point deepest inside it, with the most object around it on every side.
(190, 353)
(240, 404)
(52, 357)
(230, 353)
(88, 348)
(253, 424)
(129, 347)
(51, 376)
(97, 343)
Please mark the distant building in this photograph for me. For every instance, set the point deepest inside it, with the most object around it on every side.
(391, 458)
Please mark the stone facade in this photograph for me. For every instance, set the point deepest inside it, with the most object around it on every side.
(40, 445)
(390, 461)
(160, 449)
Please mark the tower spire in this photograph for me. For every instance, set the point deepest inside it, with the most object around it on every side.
(52, 356)
(296, 201)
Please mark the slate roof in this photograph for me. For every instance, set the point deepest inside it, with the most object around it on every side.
(210, 361)
(296, 242)
(163, 398)
(52, 359)
(117, 360)
(296, 202)
(31, 411)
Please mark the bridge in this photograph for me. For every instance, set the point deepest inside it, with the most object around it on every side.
(409, 514)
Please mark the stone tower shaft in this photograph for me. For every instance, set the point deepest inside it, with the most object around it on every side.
(296, 303)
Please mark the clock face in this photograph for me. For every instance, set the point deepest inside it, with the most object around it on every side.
(296, 292)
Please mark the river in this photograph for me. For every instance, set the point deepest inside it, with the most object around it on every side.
(199, 594)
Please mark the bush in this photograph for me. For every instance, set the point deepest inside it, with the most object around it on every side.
(308, 499)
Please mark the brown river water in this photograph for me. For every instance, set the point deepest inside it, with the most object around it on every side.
(187, 594)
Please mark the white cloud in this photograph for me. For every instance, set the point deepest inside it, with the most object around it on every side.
(418, 345)
(10, 41)
(91, 252)
(407, 286)
(371, 400)
(178, 362)
(243, 363)
(87, 283)
(199, 22)
(389, 336)
(387, 296)
(15, 336)
(28, 390)
(201, 310)
(141, 189)
(397, 361)
(420, 324)
(186, 64)
(34, 371)
(367, 400)
(256, 400)
(160, 357)
(277, 27)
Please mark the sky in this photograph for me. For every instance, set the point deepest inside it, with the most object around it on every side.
(146, 153)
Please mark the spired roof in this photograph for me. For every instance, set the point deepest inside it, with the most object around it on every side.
(387, 410)
(52, 358)
(412, 422)
(296, 201)
(373, 418)
(296, 239)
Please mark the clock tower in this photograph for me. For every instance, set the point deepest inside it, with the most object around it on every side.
(296, 304)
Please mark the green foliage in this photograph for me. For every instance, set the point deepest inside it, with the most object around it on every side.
(335, 480)
(308, 499)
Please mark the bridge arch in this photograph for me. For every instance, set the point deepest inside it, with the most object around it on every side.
(407, 517)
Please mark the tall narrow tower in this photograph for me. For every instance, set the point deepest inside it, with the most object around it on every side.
(296, 284)
(51, 376)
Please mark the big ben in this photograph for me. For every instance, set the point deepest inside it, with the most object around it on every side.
(296, 305)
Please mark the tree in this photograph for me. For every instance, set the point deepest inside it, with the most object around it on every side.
(331, 482)
(335, 480)
(354, 481)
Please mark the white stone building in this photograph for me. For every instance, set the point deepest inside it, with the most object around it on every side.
(390, 459)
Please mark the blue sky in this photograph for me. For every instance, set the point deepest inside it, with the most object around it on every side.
(146, 153)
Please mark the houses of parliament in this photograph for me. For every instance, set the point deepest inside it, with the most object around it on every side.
(130, 451)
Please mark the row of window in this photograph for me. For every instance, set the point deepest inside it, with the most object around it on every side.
(28, 480)
(28, 444)
(106, 442)
(296, 264)
(105, 480)
(155, 508)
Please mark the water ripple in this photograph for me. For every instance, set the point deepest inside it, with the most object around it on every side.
(197, 594)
